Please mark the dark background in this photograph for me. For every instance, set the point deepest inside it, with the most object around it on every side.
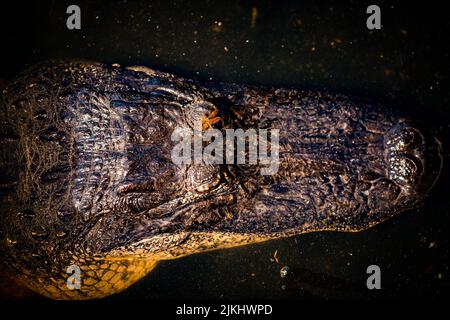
(297, 44)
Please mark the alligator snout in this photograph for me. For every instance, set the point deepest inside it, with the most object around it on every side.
(414, 156)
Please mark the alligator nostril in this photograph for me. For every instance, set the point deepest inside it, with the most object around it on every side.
(414, 156)
(403, 139)
(404, 169)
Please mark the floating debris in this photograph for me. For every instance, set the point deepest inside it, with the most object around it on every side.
(254, 16)
(284, 272)
(275, 256)
(217, 26)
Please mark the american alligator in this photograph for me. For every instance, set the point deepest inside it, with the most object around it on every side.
(87, 178)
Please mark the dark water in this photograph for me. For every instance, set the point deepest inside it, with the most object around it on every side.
(297, 44)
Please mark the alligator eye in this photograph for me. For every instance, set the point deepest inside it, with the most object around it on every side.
(403, 139)
(404, 170)
(203, 178)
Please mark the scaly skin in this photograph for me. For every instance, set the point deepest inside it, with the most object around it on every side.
(87, 177)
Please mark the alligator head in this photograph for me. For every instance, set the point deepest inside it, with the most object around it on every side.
(92, 197)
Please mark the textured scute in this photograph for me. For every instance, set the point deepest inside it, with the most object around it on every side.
(87, 177)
